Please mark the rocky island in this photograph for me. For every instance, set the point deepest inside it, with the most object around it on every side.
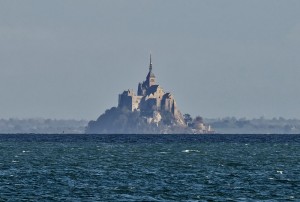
(150, 110)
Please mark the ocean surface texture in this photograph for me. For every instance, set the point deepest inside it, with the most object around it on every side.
(149, 167)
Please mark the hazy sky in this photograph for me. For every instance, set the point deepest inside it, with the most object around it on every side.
(71, 59)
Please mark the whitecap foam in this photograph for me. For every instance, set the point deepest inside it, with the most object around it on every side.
(190, 150)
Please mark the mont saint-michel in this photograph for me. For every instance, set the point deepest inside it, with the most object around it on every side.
(149, 110)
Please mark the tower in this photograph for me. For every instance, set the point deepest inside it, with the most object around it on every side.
(150, 79)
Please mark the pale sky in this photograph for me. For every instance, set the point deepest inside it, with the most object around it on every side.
(70, 59)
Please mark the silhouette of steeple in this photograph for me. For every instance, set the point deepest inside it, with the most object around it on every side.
(150, 65)
(150, 79)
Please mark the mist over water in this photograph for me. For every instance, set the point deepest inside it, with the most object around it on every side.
(149, 167)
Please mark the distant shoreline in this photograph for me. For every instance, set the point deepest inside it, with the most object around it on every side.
(229, 125)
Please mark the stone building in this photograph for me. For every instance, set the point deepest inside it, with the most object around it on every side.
(129, 100)
(150, 98)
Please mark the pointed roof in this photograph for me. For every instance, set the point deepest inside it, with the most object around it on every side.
(152, 89)
(150, 74)
(150, 65)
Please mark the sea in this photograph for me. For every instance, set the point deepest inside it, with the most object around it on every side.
(213, 167)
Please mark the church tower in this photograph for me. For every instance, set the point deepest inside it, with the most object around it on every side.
(150, 79)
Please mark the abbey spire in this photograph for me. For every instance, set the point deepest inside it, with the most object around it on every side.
(150, 79)
(150, 65)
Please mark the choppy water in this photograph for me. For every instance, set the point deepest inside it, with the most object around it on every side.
(149, 167)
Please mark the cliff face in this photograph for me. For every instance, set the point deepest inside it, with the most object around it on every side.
(124, 121)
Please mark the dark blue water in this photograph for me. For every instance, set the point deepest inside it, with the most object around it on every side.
(149, 167)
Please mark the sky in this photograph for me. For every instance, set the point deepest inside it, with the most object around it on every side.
(70, 59)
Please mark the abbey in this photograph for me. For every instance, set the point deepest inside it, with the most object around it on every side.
(149, 110)
(151, 99)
